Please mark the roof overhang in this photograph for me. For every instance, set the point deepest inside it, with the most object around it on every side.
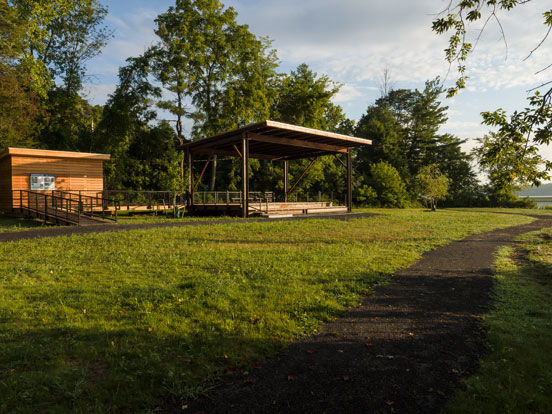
(273, 140)
(30, 152)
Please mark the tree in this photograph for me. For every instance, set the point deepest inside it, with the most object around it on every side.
(404, 126)
(305, 99)
(525, 130)
(19, 106)
(380, 125)
(220, 66)
(127, 114)
(433, 185)
(62, 35)
(385, 187)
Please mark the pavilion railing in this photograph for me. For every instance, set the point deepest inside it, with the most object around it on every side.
(151, 200)
(236, 197)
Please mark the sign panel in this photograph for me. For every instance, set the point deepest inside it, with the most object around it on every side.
(43, 182)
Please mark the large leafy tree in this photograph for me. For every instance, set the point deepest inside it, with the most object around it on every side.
(127, 116)
(404, 126)
(19, 105)
(60, 37)
(218, 73)
(306, 99)
(524, 131)
(45, 45)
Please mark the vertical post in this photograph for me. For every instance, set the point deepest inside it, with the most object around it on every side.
(245, 175)
(190, 201)
(349, 181)
(286, 171)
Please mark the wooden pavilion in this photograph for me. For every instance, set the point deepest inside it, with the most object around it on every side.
(275, 141)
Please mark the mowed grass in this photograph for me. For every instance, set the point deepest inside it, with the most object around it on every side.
(516, 375)
(8, 224)
(133, 321)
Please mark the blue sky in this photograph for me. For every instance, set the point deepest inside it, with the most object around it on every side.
(352, 41)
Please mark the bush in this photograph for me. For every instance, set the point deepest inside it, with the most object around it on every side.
(386, 188)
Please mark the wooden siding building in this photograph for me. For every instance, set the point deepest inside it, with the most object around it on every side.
(44, 170)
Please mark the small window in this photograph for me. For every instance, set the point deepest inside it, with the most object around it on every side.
(43, 182)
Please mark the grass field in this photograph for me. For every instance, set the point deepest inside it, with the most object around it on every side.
(516, 375)
(16, 224)
(127, 322)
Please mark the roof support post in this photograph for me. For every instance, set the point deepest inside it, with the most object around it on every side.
(286, 174)
(190, 201)
(245, 176)
(349, 182)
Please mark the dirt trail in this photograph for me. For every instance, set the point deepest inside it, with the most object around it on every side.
(404, 350)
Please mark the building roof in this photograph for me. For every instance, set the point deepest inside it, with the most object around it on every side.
(276, 141)
(30, 152)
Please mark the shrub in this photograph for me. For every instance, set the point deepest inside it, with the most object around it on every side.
(387, 186)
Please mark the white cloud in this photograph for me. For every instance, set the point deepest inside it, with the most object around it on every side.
(347, 93)
(97, 94)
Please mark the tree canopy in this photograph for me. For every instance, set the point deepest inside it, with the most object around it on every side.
(524, 131)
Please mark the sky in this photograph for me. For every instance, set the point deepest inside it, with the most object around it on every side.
(353, 41)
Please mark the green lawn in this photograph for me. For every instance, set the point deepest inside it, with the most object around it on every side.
(516, 374)
(126, 322)
(17, 224)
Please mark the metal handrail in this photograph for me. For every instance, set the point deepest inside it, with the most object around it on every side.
(94, 201)
(59, 207)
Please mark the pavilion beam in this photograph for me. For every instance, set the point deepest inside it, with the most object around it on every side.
(286, 175)
(349, 181)
(234, 154)
(296, 143)
(202, 172)
(245, 176)
(303, 156)
(341, 162)
(302, 175)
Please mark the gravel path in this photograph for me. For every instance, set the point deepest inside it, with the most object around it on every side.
(404, 350)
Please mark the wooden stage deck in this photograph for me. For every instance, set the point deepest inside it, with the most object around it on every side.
(269, 208)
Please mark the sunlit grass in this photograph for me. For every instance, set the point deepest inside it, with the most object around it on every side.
(516, 374)
(126, 322)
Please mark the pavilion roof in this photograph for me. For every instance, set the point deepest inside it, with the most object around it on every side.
(276, 141)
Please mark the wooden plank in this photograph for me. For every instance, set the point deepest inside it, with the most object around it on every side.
(296, 143)
(56, 154)
(213, 151)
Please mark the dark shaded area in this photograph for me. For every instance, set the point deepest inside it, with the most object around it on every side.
(102, 228)
(404, 350)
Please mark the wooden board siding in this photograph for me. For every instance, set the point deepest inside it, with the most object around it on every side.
(71, 174)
